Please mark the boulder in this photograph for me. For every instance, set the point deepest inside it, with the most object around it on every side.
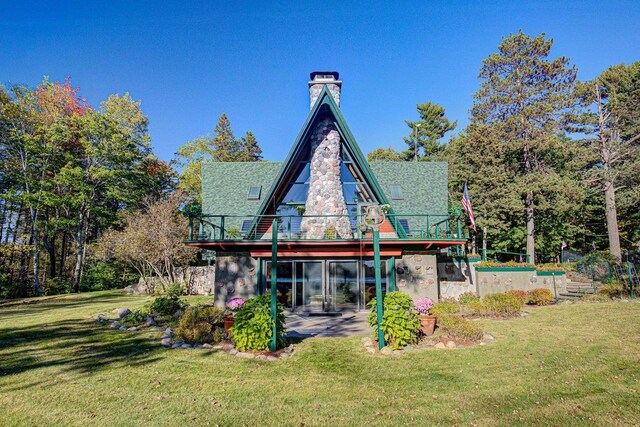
(121, 312)
(451, 344)
(367, 341)
(245, 355)
(185, 345)
(133, 328)
(385, 350)
(233, 352)
(166, 342)
(284, 355)
(408, 348)
(487, 338)
(100, 318)
(178, 314)
(440, 346)
(150, 321)
(271, 358)
(115, 325)
(207, 345)
(123, 328)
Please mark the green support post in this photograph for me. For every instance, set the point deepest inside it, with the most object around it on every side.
(391, 274)
(201, 230)
(260, 275)
(555, 290)
(428, 228)
(274, 275)
(190, 227)
(458, 229)
(376, 262)
(630, 280)
(222, 228)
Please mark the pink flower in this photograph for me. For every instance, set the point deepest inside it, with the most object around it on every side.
(423, 305)
(234, 304)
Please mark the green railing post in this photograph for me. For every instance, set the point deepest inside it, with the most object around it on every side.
(201, 230)
(555, 290)
(391, 274)
(222, 228)
(379, 307)
(458, 229)
(190, 227)
(260, 275)
(274, 275)
(630, 279)
(428, 227)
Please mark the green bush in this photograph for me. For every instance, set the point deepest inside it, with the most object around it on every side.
(444, 307)
(57, 286)
(170, 303)
(502, 304)
(540, 296)
(474, 307)
(253, 323)
(136, 317)
(201, 324)
(467, 297)
(459, 328)
(100, 276)
(612, 290)
(400, 323)
(521, 295)
(595, 298)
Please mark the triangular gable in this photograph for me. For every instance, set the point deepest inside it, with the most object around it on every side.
(325, 102)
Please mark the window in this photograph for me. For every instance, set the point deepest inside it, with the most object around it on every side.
(396, 192)
(246, 224)
(404, 223)
(254, 192)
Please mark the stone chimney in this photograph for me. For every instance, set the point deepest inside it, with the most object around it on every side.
(320, 79)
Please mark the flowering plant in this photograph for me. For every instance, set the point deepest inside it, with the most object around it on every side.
(423, 305)
(234, 304)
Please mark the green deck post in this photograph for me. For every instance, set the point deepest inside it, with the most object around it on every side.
(458, 229)
(376, 261)
(201, 230)
(391, 274)
(630, 280)
(190, 227)
(428, 227)
(555, 290)
(260, 274)
(222, 228)
(274, 274)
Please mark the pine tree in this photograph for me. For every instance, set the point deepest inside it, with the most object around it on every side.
(227, 148)
(250, 151)
(385, 155)
(427, 132)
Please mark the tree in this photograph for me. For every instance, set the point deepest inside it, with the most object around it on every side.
(526, 97)
(613, 126)
(385, 155)
(427, 132)
(151, 240)
(250, 151)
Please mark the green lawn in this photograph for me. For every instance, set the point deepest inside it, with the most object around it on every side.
(565, 365)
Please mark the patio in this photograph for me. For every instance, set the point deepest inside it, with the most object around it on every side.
(347, 325)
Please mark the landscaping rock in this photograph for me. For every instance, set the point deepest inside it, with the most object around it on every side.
(121, 312)
(487, 338)
(133, 328)
(123, 328)
(284, 355)
(150, 321)
(218, 347)
(451, 344)
(197, 345)
(271, 358)
(461, 346)
(425, 345)
(245, 355)
(367, 341)
(166, 342)
(524, 314)
(233, 352)
(185, 345)
(115, 325)
(408, 348)
(385, 350)
(177, 344)
(100, 318)
(178, 314)
(207, 345)
(261, 357)
(371, 349)
(289, 349)
(440, 346)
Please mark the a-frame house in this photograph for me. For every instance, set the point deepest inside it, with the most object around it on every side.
(317, 196)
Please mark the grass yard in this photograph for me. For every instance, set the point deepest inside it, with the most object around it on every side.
(565, 365)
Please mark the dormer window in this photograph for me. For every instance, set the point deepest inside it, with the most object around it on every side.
(396, 192)
(254, 192)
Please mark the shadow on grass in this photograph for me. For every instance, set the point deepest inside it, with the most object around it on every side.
(73, 346)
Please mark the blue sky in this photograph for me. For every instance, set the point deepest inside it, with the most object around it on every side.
(188, 62)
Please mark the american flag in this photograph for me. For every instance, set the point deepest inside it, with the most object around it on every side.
(466, 205)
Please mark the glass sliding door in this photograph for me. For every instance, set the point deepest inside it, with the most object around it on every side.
(369, 280)
(284, 282)
(343, 290)
(309, 285)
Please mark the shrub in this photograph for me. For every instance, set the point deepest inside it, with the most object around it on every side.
(459, 328)
(200, 324)
(136, 317)
(253, 323)
(423, 305)
(595, 298)
(467, 297)
(57, 286)
(445, 307)
(474, 307)
(103, 275)
(502, 304)
(520, 294)
(168, 304)
(550, 267)
(612, 290)
(540, 296)
(400, 323)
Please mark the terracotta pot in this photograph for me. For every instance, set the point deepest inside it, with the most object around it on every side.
(428, 323)
(229, 320)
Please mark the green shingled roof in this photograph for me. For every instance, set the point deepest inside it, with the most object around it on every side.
(225, 186)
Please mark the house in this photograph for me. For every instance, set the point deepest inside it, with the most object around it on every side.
(316, 199)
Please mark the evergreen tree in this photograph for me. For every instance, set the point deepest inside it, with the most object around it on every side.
(250, 151)
(385, 155)
(227, 148)
(426, 133)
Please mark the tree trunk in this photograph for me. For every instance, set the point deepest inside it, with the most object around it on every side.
(50, 245)
(79, 252)
(36, 252)
(63, 253)
(531, 251)
(612, 220)
(484, 243)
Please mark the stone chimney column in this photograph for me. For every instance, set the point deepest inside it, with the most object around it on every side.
(319, 79)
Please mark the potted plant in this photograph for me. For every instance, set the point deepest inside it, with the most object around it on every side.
(233, 305)
(427, 321)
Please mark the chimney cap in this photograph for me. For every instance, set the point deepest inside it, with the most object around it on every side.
(324, 76)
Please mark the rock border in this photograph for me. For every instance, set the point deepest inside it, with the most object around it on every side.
(431, 344)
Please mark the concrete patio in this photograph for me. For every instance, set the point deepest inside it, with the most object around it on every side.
(346, 325)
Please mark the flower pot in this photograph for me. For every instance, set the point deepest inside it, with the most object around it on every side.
(428, 323)
(228, 322)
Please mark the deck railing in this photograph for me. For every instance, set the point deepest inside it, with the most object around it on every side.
(290, 227)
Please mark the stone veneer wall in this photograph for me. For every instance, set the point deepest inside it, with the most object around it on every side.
(315, 89)
(325, 195)
(236, 276)
(491, 282)
(416, 274)
(456, 276)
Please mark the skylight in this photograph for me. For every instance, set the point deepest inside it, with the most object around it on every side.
(396, 192)
(254, 192)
